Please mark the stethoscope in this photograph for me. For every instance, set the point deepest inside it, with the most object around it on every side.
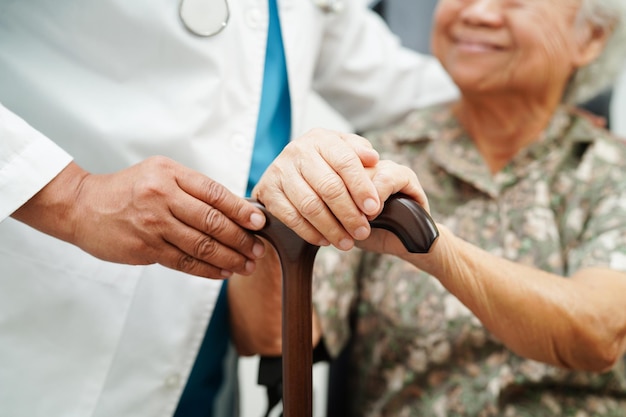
(209, 17)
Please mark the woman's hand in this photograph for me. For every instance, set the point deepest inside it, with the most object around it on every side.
(326, 186)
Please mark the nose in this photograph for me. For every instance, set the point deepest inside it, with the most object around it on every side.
(482, 12)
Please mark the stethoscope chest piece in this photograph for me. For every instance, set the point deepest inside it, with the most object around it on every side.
(204, 17)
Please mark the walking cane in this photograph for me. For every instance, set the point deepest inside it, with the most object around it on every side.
(401, 216)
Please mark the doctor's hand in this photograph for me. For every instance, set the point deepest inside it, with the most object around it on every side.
(157, 211)
(326, 186)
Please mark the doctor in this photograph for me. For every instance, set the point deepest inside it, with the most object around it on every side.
(128, 133)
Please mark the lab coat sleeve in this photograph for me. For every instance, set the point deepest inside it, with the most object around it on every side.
(366, 75)
(28, 161)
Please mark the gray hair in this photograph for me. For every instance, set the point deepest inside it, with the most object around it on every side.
(588, 81)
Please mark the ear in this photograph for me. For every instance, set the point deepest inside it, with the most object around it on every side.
(591, 43)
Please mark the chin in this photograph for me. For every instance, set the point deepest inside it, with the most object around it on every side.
(473, 83)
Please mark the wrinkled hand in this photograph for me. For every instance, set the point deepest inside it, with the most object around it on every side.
(157, 211)
(326, 186)
(391, 178)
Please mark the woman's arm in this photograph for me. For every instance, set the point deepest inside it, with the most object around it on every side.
(577, 323)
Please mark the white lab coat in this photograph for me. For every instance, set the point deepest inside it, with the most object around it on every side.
(109, 83)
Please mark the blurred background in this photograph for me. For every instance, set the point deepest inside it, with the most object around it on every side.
(410, 20)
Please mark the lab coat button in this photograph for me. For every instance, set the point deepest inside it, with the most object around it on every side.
(239, 143)
(253, 18)
(173, 381)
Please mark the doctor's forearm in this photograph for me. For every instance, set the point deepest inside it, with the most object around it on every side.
(156, 211)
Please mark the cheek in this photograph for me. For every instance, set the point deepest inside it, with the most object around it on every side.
(437, 46)
(551, 52)
(443, 19)
(545, 38)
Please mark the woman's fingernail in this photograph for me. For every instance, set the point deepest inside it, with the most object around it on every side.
(346, 244)
(361, 233)
(370, 205)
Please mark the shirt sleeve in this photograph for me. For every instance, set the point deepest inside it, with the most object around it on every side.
(335, 292)
(28, 161)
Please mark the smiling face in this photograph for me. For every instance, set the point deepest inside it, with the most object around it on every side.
(511, 46)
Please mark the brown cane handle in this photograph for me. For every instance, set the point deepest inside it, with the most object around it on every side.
(401, 216)
(409, 221)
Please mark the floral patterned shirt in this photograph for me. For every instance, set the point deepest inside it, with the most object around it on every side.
(559, 205)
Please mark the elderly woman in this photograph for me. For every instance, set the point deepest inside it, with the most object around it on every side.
(520, 307)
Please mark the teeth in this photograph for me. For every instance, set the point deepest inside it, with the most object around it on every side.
(476, 45)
